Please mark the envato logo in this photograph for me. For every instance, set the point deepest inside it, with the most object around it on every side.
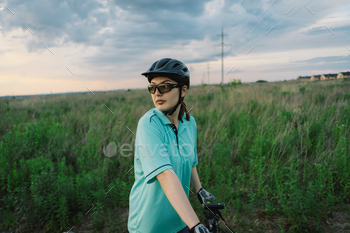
(163, 150)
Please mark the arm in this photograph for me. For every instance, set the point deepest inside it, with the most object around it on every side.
(195, 180)
(176, 195)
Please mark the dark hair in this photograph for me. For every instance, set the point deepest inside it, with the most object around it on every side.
(183, 110)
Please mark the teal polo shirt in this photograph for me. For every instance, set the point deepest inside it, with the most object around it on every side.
(158, 147)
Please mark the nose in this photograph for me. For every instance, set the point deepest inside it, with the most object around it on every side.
(157, 92)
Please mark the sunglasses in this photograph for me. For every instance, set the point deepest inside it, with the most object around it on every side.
(161, 87)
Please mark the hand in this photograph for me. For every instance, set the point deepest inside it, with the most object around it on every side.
(199, 228)
(204, 196)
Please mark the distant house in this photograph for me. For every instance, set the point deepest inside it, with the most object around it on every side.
(315, 77)
(331, 76)
(305, 78)
(343, 75)
(328, 76)
(346, 74)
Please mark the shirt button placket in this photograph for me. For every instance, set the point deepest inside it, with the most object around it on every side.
(177, 140)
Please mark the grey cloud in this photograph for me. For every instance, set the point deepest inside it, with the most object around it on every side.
(323, 30)
(327, 60)
(55, 22)
(244, 24)
(284, 26)
(140, 30)
(199, 60)
(333, 63)
(152, 8)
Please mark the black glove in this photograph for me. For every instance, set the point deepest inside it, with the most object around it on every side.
(199, 228)
(204, 196)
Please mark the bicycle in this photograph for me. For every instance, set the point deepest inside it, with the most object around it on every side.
(213, 214)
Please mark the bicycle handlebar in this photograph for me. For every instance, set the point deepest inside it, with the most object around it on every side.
(215, 206)
(213, 214)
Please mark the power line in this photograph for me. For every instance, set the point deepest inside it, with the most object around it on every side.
(276, 25)
(261, 16)
(240, 4)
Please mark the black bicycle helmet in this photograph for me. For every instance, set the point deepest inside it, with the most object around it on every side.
(174, 69)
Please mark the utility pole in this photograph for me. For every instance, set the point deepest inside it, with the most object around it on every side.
(222, 54)
(208, 72)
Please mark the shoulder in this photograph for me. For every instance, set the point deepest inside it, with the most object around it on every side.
(193, 121)
(149, 119)
(147, 116)
(192, 125)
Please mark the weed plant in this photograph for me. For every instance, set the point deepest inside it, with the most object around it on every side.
(273, 152)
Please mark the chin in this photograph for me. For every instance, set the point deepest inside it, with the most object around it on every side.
(162, 108)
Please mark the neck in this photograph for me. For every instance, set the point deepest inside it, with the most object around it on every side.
(174, 117)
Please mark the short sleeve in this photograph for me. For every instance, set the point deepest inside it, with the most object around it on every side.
(195, 162)
(151, 151)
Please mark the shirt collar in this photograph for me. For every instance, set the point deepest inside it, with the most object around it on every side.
(164, 118)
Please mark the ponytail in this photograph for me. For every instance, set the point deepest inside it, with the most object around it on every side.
(183, 110)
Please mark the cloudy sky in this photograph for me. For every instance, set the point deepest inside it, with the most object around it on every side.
(63, 46)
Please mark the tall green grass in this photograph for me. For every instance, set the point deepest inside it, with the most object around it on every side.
(277, 152)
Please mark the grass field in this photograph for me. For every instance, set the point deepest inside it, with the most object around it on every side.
(277, 154)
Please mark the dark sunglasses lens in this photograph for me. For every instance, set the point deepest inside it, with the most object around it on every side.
(164, 88)
(151, 89)
(161, 88)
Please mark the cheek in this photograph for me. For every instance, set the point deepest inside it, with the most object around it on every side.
(176, 97)
(173, 98)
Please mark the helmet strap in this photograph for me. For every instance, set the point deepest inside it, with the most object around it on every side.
(170, 112)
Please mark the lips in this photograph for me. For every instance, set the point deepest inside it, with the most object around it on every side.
(160, 101)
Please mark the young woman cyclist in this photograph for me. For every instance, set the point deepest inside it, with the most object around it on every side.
(159, 197)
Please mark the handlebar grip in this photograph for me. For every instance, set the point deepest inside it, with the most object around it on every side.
(215, 206)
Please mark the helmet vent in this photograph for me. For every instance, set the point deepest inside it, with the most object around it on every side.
(163, 62)
(184, 69)
(152, 68)
(176, 64)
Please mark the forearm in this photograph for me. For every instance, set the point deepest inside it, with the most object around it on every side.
(177, 197)
(195, 179)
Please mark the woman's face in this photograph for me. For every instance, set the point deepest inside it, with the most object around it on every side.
(170, 98)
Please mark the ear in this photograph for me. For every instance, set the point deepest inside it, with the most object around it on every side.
(184, 90)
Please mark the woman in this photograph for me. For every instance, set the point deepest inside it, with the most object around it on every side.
(159, 197)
